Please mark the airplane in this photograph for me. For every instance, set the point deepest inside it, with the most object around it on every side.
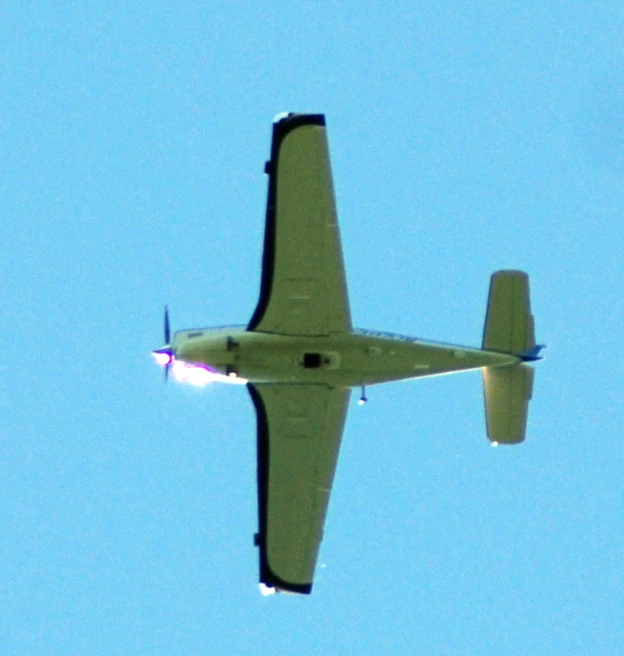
(300, 356)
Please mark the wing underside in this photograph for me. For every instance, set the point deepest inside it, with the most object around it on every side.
(303, 289)
(299, 433)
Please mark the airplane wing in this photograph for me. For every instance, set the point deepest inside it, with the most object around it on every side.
(303, 289)
(299, 433)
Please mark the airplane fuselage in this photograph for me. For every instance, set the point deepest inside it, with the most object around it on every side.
(339, 360)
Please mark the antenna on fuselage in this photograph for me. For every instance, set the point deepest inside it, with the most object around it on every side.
(363, 398)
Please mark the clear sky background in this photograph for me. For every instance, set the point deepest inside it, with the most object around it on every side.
(465, 138)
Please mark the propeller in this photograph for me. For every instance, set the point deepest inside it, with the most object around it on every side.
(164, 355)
(167, 328)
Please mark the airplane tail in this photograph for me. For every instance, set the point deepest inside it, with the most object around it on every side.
(509, 328)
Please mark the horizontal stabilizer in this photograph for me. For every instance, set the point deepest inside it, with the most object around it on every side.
(509, 328)
(507, 391)
(509, 324)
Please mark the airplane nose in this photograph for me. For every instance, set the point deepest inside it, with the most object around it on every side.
(164, 355)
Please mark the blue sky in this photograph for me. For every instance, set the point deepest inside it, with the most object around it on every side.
(465, 138)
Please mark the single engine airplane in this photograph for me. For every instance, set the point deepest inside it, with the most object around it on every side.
(300, 357)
